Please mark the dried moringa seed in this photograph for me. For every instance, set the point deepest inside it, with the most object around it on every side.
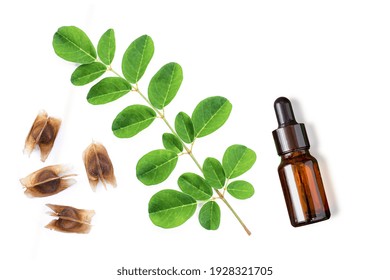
(42, 134)
(98, 165)
(70, 219)
(47, 181)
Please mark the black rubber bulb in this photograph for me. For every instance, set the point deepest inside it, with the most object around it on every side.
(284, 112)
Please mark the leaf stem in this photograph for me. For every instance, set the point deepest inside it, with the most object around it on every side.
(150, 104)
(234, 212)
(113, 71)
(188, 150)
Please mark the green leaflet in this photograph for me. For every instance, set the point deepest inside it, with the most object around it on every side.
(72, 44)
(132, 120)
(108, 90)
(184, 127)
(241, 189)
(171, 142)
(136, 58)
(237, 160)
(195, 186)
(87, 73)
(106, 47)
(156, 166)
(214, 173)
(210, 215)
(165, 84)
(210, 114)
(170, 208)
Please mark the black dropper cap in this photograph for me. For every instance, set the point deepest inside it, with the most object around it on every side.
(290, 135)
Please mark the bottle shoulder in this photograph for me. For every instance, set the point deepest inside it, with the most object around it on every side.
(297, 158)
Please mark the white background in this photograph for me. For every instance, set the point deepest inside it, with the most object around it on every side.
(331, 58)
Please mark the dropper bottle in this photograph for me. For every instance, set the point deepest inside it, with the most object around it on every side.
(299, 172)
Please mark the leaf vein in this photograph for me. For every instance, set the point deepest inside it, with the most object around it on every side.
(142, 58)
(210, 119)
(158, 166)
(173, 208)
(169, 85)
(89, 75)
(238, 162)
(74, 44)
(135, 124)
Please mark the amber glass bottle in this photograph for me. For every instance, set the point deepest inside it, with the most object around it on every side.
(298, 171)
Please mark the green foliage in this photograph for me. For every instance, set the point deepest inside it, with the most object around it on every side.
(195, 186)
(165, 84)
(214, 173)
(241, 189)
(72, 44)
(132, 120)
(210, 114)
(170, 208)
(137, 58)
(108, 90)
(210, 215)
(171, 142)
(184, 127)
(86, 73)
(237, 160)
(167, 208)
(156, 166)
(106, 47)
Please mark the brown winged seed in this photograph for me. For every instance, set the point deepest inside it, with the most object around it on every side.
(47, 181)
(70, 219)
(42, 134)
(98, 165)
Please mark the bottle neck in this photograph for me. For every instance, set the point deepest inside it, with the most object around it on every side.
(296, 153)
(291, 138)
